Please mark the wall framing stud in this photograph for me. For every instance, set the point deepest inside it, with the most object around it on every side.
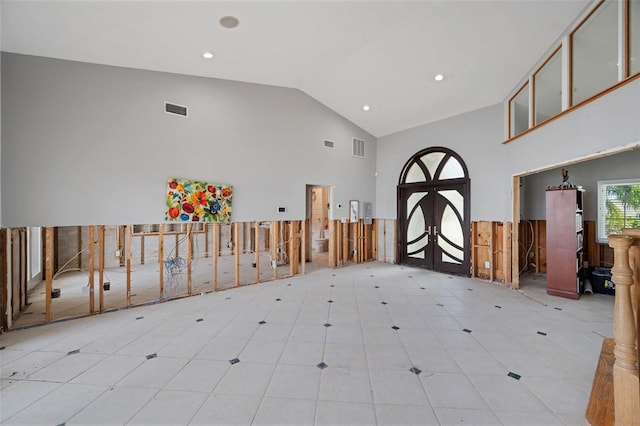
(236, 250)
(274, 248)
(161, 257)
(92, 269)
(101, 265)
(303, 246)
(189, 257)
(127, 248)
(257, 250)
(48, 271)
(215, 252)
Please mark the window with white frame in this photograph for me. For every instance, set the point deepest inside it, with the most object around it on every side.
(618, 206)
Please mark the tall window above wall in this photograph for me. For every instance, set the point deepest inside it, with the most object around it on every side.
(618, 206)
(595, 53)
(547, 99)
(519, 112)
(634, 37)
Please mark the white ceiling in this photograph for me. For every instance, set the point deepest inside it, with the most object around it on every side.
(343, 53)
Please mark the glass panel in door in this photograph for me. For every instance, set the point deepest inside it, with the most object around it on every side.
(450, 241)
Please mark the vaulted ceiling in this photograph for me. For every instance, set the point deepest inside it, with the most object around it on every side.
(345, 54)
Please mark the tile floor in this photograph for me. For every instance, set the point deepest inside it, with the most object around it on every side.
(368, 344)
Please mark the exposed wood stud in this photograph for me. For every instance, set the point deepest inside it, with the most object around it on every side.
(332, 244)
(384, 237)
(360, 253)
(309, 234)
(482, 249)
(303, 247)
(189, 241)
(345, 242)
(92, 269)
(55, 250)
(515, 269)
(506, 253)
(215, 253)
(101, 265)
(374, 239)
(161, 257)
(274, 248)
(127, 248)
(291, 250)
(48, 268)
(474, 249)
(491, 262)
(257, 250)
(337, 229)
(236, 249)
(79, 231)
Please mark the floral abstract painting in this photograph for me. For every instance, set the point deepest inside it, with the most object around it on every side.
(192, 201)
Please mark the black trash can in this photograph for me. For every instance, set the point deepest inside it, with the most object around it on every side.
(601, 280)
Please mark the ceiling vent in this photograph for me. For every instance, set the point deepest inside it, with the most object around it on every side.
(357, 148)
(328, 144)
(175, 109)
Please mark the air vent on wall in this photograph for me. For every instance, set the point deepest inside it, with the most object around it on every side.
(170, 108)
(358, 148)
(328, 144)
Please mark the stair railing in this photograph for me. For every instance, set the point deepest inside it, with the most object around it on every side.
(626, 382)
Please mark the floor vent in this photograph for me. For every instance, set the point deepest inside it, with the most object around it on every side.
(170, 108)
(328, 144)
(358, 148)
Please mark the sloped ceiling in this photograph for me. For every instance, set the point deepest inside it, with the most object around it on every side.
(345, 54)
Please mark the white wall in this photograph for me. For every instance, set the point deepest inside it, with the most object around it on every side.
(608, 124)
(475, 136)
(90, 144)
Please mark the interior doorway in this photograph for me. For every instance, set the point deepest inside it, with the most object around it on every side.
(529, 209)
(318, 199)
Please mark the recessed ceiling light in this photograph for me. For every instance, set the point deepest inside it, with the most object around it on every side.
(229, 22)
(366, 107)
(207, 55)
(438, 77)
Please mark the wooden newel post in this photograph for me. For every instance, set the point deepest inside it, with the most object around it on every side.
(626, 387)
(634, 263)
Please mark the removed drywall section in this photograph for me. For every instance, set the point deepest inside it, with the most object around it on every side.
(92, 144)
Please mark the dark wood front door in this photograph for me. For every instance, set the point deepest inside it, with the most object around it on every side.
(433, 214)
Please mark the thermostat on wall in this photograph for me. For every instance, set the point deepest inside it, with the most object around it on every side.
(282, 209)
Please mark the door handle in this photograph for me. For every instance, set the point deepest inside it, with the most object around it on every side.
(435, 230)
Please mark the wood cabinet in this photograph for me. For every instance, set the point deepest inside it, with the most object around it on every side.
(564, 242)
